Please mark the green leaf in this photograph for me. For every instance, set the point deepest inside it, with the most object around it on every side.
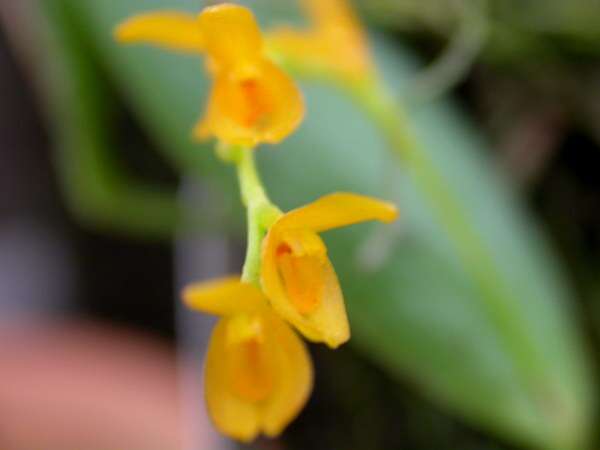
(97, 189)
(506, 356)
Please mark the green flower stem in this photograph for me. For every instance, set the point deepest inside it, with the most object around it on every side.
(392, 120)
(261, 212)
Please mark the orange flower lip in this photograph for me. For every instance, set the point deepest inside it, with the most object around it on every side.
(301, 259)
(250, 376)
(303, 280)
(296, 274)
(258, 373)
(251, 379)
(252, 101)
(258, 106)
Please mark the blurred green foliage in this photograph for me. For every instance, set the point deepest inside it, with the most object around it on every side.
(519, 29)
(507, 357)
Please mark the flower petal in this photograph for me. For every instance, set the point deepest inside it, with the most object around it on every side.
(232, 34)
(294, 379)
(334, 42)
(224, 297)
(327, 321)
(263, 105)
(230, 414)
(174, 30)
(287, 104)
(333, 15)
(337, 210)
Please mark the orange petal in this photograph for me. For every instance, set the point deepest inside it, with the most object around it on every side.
(337, 210)
(224, 297)
(294, 378)
(263, 105)
(257, 379)
(330, 14)
(338, 25)
(174, 30)
(335, 43)
(232, 34)
(252, 371)
(325, 320)
(231, 415)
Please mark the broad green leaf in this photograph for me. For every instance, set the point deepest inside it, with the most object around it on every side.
(500, 349)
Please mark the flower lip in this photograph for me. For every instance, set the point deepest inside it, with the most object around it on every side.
(258, 372)
(252, 104)
(303, 280)
(249, 375)
(296, 274)
(258, 381)
(258, 108)
(250, 378)
(300, 259)
(252, 100)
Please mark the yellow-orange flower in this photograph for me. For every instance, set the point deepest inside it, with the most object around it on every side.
(296, 274)
(334, 43)
(258, 373)
(252, 100)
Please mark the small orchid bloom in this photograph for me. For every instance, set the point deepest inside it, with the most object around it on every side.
(333, 44)
(258, 372)
(252, 101)
(296, 274)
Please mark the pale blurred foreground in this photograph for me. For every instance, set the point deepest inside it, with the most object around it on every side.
(82, 385)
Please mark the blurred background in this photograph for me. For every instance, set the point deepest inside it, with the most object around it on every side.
(107, 208)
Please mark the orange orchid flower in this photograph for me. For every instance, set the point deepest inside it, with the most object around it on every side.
(252, 101)
(258, 373)
(334, 43)
(296, 274)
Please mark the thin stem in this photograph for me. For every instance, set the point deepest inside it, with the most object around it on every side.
(464, 47)
(251, 187)
(261, 213)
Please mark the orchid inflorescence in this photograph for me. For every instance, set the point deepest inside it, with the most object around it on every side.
(258, 372)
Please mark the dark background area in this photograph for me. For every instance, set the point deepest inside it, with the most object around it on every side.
(117, 278)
